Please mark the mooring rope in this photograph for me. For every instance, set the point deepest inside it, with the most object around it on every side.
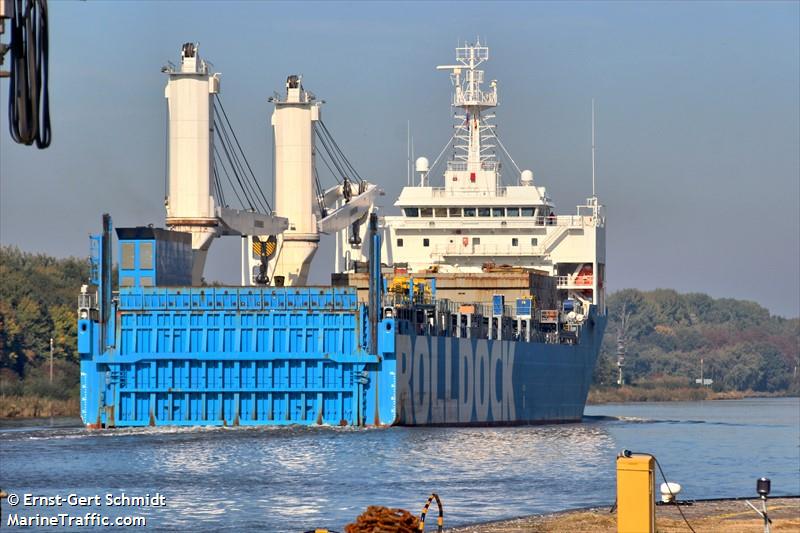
(385, 520)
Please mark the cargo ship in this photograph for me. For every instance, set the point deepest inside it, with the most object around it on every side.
(477, 305)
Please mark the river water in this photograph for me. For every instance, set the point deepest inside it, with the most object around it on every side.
(294, 479)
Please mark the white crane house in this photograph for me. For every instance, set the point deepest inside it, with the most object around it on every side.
(473, 221)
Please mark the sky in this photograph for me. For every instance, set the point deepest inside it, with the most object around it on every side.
(698, 119)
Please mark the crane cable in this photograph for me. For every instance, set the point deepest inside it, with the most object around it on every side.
(235, 163)
(239, 146)
(325, 134)
(28, 95)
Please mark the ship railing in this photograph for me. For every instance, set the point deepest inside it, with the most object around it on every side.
(477, 97)
(575, 281)
(442, 192)
(462, 166)
(393, 299)
(575, 221)
(486, 249)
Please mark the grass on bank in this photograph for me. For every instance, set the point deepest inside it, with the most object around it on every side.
(672, 389)
(36, 396)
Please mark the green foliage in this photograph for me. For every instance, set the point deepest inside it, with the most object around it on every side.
(742, 346)
(38, 295)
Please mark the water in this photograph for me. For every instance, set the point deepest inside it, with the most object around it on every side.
(293, 479)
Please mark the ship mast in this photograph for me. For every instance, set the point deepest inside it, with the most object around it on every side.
(473, 164)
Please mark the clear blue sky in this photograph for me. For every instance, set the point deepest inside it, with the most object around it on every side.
(698, 119)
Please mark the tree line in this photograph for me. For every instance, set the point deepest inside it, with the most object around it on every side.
(666, 334)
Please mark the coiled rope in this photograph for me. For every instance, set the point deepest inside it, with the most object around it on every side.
(384, 520)
(379, 519)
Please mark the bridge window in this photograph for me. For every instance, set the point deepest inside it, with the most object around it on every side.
(411, 211)
(440, 212)
(399, 243)
(498, 212)
(426, 212)
(426, 242)
(527, 211)
(512, 212)
(455, 211)
(484, 212)
(469, 211)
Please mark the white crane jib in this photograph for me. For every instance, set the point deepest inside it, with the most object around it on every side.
(310, 212)
(190, 205)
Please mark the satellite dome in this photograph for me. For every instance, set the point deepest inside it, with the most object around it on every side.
(527, 177)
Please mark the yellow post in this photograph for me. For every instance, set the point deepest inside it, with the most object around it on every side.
(636, 512)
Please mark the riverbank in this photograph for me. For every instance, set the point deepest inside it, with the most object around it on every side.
(630, 393)
(731, 516)
(37, 407)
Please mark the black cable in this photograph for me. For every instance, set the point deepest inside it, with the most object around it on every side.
(28, 95)
(218, 185)
(673, 495)
(334, 174)
(331, 155)
(236, 163)
(225, 170)
(344, 157)
(238, 171)
(255, 181)
(320, 195)
(344, 162)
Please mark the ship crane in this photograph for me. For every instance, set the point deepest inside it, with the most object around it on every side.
(278, 243)
(191, 206)
(297, 124)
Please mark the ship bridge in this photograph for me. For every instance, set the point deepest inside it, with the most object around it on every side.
(476, 218)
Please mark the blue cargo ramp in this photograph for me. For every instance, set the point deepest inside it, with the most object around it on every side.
(232, 356)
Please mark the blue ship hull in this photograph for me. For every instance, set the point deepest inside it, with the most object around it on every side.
(445, 381)
(153, 356)
(232, 356)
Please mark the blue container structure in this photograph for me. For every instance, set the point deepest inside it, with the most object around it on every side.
(160, 352)
(181, 355)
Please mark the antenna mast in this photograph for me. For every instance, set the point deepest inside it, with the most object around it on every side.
(594, 194)
(408, 152)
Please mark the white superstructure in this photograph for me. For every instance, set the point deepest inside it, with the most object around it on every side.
(473, 221)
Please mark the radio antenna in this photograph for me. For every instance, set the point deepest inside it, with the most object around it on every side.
(408, 152)
(594, 194)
